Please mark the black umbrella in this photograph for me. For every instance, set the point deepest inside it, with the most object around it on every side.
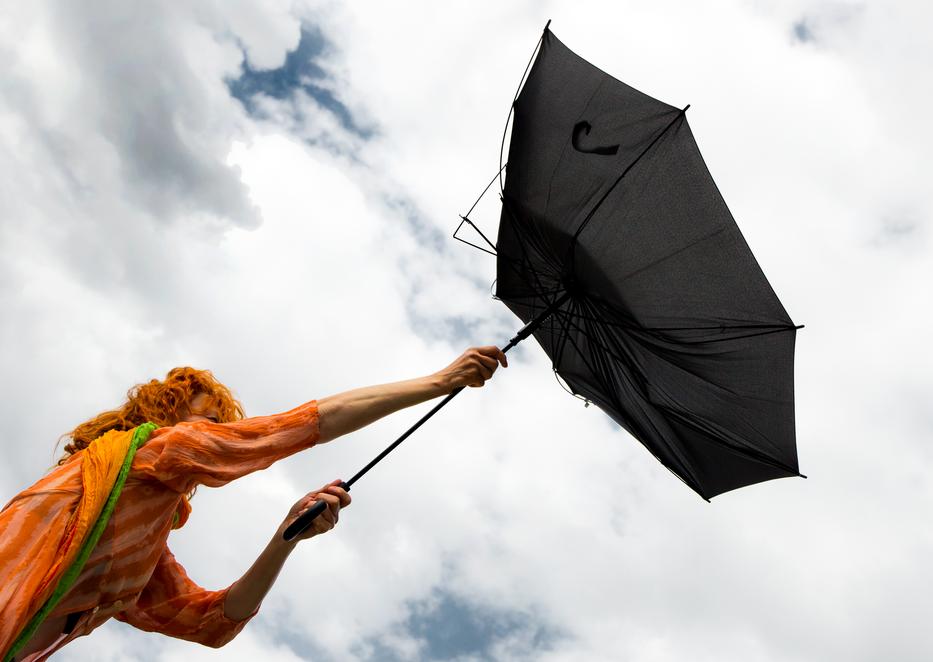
(666, 321)
(617, 250)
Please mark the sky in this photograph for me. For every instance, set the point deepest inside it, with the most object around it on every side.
(268, 190)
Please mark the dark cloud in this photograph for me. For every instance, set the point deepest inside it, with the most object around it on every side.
(145, 114)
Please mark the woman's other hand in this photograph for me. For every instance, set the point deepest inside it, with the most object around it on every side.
(472, 368)
(333, 495)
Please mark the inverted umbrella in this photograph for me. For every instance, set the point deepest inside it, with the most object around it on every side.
(617, 250)
(666, 320)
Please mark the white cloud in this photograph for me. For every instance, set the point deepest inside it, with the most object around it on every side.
(147, 221)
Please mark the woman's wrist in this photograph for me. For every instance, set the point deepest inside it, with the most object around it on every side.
(278, 546)
(437, 384)
(246, 594)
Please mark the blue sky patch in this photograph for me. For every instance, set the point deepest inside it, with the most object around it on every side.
(452, 628)
(300, 71)
(803, 32)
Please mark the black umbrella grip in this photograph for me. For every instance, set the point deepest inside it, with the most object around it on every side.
(304, 520)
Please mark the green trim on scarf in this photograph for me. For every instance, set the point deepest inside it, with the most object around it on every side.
(71, 574)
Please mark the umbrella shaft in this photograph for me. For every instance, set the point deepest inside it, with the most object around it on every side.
(304, 520)
(523, 333)
(408, 432)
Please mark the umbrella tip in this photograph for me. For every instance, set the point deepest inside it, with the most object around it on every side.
(547, 25)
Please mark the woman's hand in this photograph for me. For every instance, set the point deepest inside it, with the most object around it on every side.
(246, 594)
(472, 368)
(351, 410)
(333, 495)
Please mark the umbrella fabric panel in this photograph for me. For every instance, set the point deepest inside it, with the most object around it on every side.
(560, 178)
(664, 246)
(716, 438)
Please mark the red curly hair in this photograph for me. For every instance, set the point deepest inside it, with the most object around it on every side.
(164, 403)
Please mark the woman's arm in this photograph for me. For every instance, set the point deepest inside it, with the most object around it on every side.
(246, 594)
(352, 410)
(338, 415)
(172, 604)
(213, 454)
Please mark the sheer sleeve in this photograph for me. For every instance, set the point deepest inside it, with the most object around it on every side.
(213, 454)
(172, 604)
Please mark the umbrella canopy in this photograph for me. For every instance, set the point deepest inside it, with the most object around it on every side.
(661, 314)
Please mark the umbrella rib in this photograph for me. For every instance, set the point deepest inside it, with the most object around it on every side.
(603, 340)
(771, 328)
(719, 441)
(533, 237)
(592, 334)
(586, 332)
(747, 335)
(632, 373)
(526, 262)
(505, 130)
(714, 385)
(466, 220)
(580, 352)
(689, 479)
(491, 181)
(562, 343)
(565, 333)
(680, 250)
(545, 291)
(522, 240)
(565, 325)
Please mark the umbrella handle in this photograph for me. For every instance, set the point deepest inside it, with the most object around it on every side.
(304, 520)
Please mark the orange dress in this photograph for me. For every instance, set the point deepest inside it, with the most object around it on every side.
(131, 574)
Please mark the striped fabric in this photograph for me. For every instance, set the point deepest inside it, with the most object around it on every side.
(104, 470)
(132, 574)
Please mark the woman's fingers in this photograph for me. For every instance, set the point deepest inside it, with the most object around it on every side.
(474, 367)
(494, 353)
(484, 370)
(487, 364)
(484, 362)
(342, 495)
(333, 496)
(332, 501)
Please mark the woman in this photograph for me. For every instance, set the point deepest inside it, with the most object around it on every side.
(130, 573)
